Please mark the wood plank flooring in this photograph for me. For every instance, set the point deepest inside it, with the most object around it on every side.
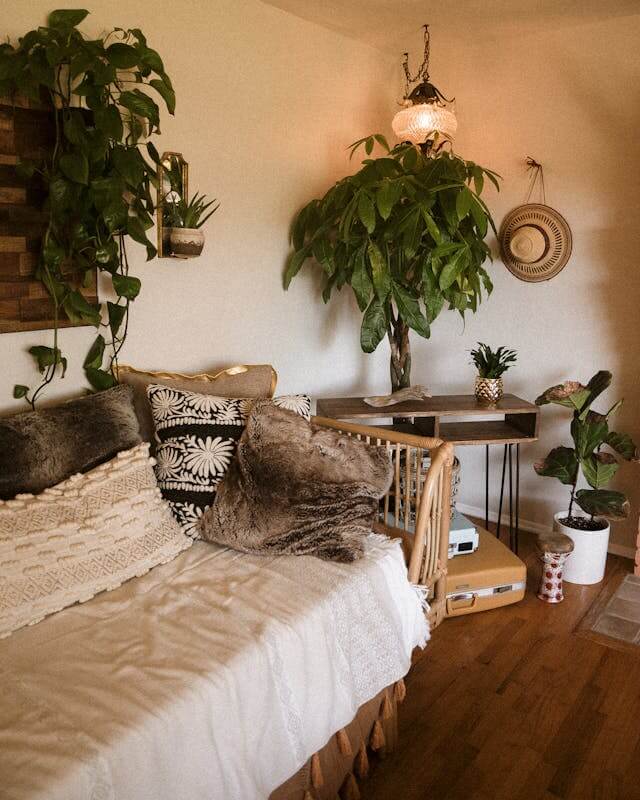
(511, 704)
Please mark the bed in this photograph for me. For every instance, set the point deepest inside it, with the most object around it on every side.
(220, 674)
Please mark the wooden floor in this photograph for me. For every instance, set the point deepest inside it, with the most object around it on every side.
(511, 704)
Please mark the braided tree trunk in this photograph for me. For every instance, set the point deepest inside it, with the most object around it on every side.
(400, 355)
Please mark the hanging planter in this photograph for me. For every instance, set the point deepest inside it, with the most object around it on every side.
(185, 221)
(186, 242)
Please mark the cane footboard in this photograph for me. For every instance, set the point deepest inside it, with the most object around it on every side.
(417, 507)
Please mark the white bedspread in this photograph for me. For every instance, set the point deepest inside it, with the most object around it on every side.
(214, 677)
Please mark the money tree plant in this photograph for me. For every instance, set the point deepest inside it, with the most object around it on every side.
(407, 234)
(596, 451)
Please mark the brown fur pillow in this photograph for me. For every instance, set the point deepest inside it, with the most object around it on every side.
(41, 448)
(296, 488)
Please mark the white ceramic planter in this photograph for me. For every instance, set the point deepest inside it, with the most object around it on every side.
(186, 242)
(587, 562)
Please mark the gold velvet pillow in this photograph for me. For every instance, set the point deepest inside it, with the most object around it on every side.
(253, 380)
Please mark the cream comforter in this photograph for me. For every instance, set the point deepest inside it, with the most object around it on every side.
(214, 677)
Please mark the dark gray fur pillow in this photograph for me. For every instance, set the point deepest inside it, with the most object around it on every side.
(41, 448)
(297, 488)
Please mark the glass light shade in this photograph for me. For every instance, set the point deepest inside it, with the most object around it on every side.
(417, 123)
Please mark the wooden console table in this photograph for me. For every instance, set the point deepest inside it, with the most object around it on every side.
(513, 421)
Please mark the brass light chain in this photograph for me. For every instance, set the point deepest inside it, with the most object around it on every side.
(423, 72)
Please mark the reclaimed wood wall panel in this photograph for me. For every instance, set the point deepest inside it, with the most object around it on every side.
(24, 303)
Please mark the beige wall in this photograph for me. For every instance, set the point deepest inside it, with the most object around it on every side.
(571, 99)
(267, 104)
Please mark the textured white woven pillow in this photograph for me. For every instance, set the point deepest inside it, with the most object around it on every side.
(89, 533)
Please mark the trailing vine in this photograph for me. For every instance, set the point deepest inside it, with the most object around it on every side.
(97, 177)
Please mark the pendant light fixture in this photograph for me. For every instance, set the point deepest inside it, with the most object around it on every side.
(427, 114)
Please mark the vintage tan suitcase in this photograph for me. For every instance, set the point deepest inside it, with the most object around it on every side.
(491, 577)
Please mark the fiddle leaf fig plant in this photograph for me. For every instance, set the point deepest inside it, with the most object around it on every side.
(407, 233)
(103, 95)
(590, 433)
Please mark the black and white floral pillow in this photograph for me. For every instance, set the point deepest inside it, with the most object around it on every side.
(197, 437)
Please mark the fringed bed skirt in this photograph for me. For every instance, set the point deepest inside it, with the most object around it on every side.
(333, 772)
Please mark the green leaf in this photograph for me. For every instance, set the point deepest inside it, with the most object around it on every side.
(95, 354)
(379, 272)
(464, 201)
(141, 104)
(382, 141)
(155, 155)
(432, 227)
(136, 231)
(386, 198)
(126, 286)
(66, 18)
(480, 218)
(431, 295)
(323, 253)
(99, 379)
(296, 260)
(75, 166)
(116, 315)
(599, 469)
(570, 394)
(108, 120)
(128, 162)
(78, 309)
(374, 326)
(167, 94)
(361, 282)
(623, 444)
(589, 434)
(122, 56)
(561, 463)
(47, 357)
(598, 384)
(75, 129)
(452, 269)
(603, 503)
(152, 60)
(20, 390)
(409, 310)
(367, 212)
(114, 217)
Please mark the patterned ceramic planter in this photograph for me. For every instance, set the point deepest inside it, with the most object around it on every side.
(488, 390)
(186, 242)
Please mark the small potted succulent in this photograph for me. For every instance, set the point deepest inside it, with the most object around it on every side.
(586, 521)
(185, 220)
(491, 367)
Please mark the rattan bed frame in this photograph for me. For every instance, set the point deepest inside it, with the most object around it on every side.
(426, 543)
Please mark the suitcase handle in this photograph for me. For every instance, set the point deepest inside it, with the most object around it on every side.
(458, 601)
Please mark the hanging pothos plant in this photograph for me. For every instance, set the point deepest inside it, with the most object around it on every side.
(97, 180)
(407, 233)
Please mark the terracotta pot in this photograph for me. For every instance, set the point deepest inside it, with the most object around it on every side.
(488, 390)
(587, 562)
(186, 242)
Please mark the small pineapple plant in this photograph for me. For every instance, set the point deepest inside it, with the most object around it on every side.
(491, 366)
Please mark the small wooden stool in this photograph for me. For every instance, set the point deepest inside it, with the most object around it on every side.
(553, 549)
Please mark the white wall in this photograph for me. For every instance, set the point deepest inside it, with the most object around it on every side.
(267, 104)
(569, 98)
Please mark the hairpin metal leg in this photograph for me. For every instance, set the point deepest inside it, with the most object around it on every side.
(504, 466)
(486, 487)
(517, 531)
(511, 530)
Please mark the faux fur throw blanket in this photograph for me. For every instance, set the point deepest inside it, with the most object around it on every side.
(297, 488)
